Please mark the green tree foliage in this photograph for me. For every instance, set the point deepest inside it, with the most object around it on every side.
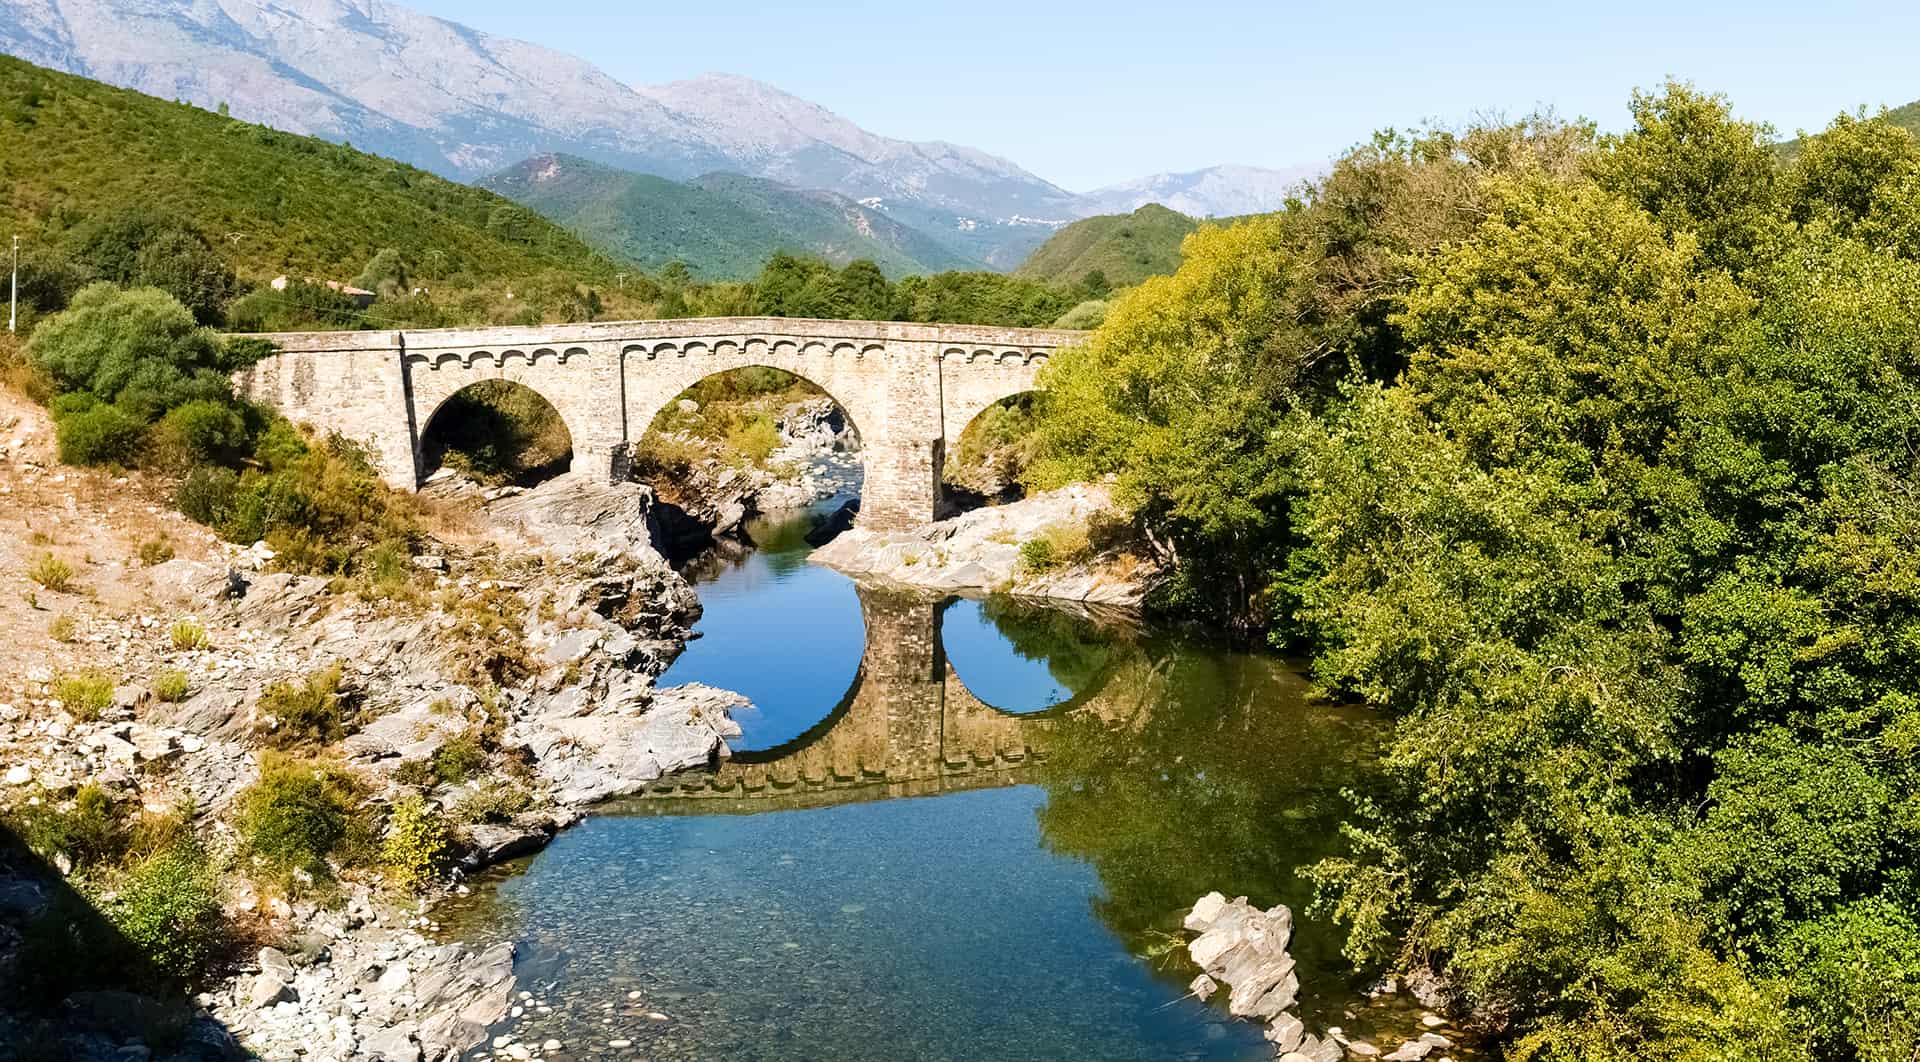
(139, 349)
(1586, 463)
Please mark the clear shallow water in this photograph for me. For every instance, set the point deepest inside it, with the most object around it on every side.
(785, 633)
(1027, 909)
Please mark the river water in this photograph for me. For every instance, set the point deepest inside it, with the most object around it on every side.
(953, 829)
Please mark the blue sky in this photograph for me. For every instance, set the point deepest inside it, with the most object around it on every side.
(1086, 93)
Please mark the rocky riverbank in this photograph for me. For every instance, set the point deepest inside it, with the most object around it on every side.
(1068, 544)
(525, 637)
(1243, 949)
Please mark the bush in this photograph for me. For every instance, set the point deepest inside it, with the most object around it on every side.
(156, 551)
(170, 686)
(61, 629)
(51, 572)
(1036, 555)
(492, 801)
(1087, 316)
(138, 349)
(100, 435)
(299, 813)
(89, 832)
(418, 844)
(200, 431)
(169, 909)
(188, 635)
(85, 695)
(311, 710)
(206, 495)
(459, 758)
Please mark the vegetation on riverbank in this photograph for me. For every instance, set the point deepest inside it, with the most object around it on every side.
(1587, 460)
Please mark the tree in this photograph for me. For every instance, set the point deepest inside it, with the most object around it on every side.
(139, 349)
(1696, 169)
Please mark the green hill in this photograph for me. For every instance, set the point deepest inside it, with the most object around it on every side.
(1125, 248)
(1906, 116)
(723, 226)
(74, 151)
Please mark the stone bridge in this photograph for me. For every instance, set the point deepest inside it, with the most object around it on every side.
(909, 389)
(908, 727)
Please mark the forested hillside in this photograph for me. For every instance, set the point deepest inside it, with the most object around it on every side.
(73, 151)
(1120, 249)
(1588, 461)
(723, 226)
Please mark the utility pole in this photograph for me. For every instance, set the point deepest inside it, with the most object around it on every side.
(13, 299)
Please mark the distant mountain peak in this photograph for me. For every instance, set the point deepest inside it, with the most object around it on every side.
(1217, 191)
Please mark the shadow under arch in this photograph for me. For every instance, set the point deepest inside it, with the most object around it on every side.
(496, 422)
(981, 463)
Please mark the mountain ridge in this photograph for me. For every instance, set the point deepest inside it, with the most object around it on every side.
(722, 225)
(467, 104)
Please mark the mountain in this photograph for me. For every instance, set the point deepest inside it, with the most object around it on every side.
(74, 151)
(1125, 248)
(466, 104)
(1216, 192)
(722, 225)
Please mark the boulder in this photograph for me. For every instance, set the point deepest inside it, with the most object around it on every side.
(392, 1043)
(632, 737)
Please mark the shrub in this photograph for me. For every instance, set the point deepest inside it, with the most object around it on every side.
(156, 551)
(418, 844)
(170, 686)
(51, 572)
(169, 909)
(85, 694)
(206, 494)
(1036, 555)
(310, 710)
(100, 435)
(756, 439)
(492, 801)
(299, 813)
(459, 758)
(188, 635)
(139, 349)
(61, 629)
(200, 431)
(89, 832)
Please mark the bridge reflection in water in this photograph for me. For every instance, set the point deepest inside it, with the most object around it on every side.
(910, 726)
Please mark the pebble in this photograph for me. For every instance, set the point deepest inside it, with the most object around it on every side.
(618, 1044)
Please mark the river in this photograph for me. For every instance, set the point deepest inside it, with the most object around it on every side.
(953, 829)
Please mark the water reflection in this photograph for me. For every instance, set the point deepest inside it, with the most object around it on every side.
(1087, 779)
(1022, 657)
(785, 633)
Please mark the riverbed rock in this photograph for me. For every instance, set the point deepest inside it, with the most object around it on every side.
(574, 514)
(982, 550)
(631, 737)
(1245, 948)
(492, 843)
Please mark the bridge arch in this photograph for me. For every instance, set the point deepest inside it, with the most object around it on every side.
(646, 415)
(503, 428)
